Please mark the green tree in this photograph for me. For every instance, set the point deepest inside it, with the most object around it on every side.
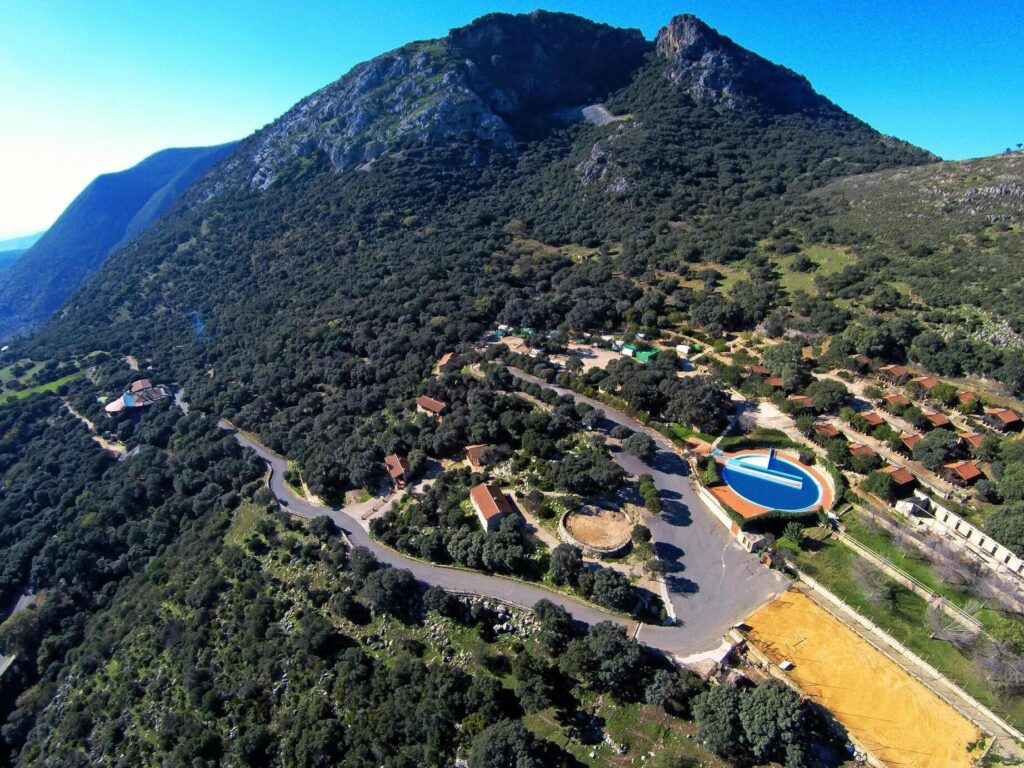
(673, 690)
(794, 532)
(880, 484)
(828, 395)
(944, 393)
(1011, 485)
(556, 626)
(640, 534)
(772, 718)
(639, 445)
(606, 660)
(533, 683)
(1006, 525)
(566, 564)
(988, 449)
(717, 713)
(506, 744)
(936, 448)
(613, 590)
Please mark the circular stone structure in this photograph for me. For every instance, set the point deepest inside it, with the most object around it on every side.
(599, 531)
(772, 482)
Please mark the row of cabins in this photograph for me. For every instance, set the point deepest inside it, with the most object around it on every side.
(998, 419)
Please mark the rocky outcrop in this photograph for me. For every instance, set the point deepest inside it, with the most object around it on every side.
(712, 68)
(418, 94)
(500, 80)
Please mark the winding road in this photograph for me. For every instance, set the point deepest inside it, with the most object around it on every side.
(711, 581)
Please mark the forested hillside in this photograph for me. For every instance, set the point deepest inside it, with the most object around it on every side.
(301, 309)
(109, 212)
(305, 289)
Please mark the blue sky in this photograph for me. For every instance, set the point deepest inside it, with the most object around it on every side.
(92, 87)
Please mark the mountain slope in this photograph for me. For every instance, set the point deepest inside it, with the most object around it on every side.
(22, 243)
(305, 288)
(485, 87)
(110, 211)
(317, 292)
(9, 257)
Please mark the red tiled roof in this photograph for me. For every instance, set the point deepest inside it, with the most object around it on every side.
(895, 370)
(927, 382)
(1005, 415)
(445, 360)
(965, 470)
(937, 419)
(430, 404)
(802, 400)
(966, 397)
(397, 466)
(873, 418)
(473, 454)
(899, 475)
(973, 439)
(909, 441)
(856, 449)
(826, 430)
(490, 500)
(141, 384)
(760, 370)
(774, 381)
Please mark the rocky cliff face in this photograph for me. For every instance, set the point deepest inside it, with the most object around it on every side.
(485, 86)
(490, 86)
(715, 69)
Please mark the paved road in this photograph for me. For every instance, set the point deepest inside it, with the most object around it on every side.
(712, 581)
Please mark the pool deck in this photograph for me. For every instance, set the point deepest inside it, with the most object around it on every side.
(747, 509)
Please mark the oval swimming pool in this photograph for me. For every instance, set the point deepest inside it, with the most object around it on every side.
(772, 482)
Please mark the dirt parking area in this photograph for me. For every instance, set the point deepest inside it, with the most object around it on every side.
(601, 528)
(592, 357)
(883, 708)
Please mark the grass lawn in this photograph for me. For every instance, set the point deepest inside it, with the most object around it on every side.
(6, 374)
(50, 386)
(759, 437)
(641, 728)
(913, 563)
(828, 258)
(244, 520)
(681, 433)
(832, 565)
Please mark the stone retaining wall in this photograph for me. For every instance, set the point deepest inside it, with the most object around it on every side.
(589, 549)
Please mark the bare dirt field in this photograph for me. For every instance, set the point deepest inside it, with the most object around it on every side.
(886, 710)
(600, 528)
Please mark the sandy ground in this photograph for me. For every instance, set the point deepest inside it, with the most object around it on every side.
(889, 712)
(592, 357)
(602, 528)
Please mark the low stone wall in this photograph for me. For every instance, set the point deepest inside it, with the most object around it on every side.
(588, 549)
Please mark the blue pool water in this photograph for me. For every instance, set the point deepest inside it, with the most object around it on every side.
(772, 482)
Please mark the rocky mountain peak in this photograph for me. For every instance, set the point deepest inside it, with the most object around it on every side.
(686, 37)
(485, 87)
(715, 69)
